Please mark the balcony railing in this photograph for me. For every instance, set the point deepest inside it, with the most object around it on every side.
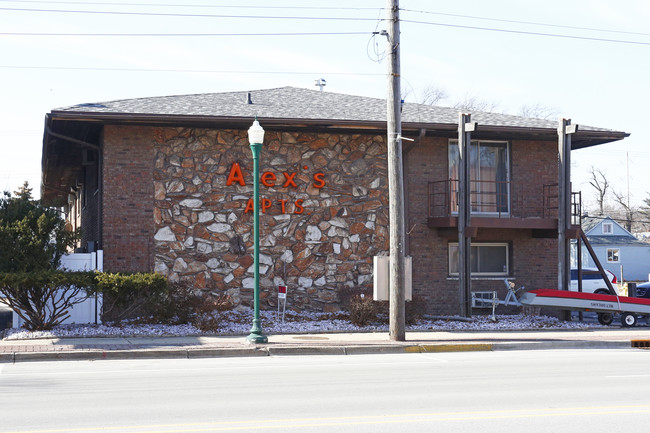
(499, 199)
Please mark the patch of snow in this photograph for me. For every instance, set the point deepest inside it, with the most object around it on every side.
(239, 323)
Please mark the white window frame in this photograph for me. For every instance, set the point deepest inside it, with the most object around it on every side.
(505, 273)
(618, 255)
(607, 228)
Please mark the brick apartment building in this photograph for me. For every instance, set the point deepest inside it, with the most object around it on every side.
(165, 184)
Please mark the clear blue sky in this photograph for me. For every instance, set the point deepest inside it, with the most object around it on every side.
(506, 52)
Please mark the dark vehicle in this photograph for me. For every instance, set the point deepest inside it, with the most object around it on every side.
(643, 290)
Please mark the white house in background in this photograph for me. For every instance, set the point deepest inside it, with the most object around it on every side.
(616, 249)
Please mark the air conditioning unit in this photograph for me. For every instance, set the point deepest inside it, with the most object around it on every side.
(381, 278)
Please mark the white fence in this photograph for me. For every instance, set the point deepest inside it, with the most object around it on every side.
(88, 310)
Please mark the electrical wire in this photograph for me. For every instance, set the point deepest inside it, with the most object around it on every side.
(521, 32)
(183, 34)
(196, 5)
(161, 14)
(527, 22)
(192, 71)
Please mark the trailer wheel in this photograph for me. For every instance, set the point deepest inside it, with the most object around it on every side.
(628, 320)
(605, 319)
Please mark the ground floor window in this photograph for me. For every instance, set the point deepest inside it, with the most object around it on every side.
(613, 255)
(487, 259)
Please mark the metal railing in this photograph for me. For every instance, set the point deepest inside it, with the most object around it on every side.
(502, 199)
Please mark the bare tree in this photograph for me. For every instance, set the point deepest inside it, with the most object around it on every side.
(432, 95)
(628, 210)
(473, 103)
(538, 111)
(600, 183)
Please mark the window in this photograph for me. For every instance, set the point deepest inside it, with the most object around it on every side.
(608, 228)
(487, 259)
(489, 176)
(613, 255)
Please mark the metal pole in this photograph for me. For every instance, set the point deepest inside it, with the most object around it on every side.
(395, 179)
(256, 336)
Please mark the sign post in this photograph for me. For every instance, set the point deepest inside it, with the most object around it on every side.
(282, 295)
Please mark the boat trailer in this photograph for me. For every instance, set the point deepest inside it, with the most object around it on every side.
(605, 305)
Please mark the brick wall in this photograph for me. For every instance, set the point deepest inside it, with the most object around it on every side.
(533, 261)
(128, 226)
(169, 184)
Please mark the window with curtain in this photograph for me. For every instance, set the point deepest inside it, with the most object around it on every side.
(489, 176)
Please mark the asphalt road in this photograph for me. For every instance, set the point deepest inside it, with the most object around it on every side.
(521, 391)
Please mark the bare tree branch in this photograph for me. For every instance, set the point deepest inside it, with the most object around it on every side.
(600, 183)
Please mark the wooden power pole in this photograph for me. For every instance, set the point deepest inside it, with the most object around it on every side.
(564, 131)
(465, 128)
(395, 179)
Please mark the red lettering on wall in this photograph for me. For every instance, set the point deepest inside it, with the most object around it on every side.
(298, 207)
(235, 175)
(249, 206)
(319, 180)
(266, 203)
(268, 179)
(289, 180)
(282, 205)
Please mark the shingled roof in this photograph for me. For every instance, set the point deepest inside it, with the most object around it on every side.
(290, 105)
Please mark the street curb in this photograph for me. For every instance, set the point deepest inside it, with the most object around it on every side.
(552, 345)
(306, 350)
(225, 352)
(464, 347)
(264, 350)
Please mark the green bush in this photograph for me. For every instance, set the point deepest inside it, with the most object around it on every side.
(43, 299)
(130, 295)
(32, 237)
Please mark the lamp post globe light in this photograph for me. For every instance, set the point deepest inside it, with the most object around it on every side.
(255, 139)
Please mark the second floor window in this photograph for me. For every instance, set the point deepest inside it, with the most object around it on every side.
(489, 176)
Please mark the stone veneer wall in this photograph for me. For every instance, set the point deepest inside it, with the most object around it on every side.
(203, 233)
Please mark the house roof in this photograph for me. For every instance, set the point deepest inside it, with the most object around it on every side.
(617, 241)
(70, 129)
(291, 106)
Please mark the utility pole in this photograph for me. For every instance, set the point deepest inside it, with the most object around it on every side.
(395, 179)
(465, 129)
(564, 131)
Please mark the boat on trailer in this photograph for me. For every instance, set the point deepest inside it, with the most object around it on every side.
(605, 305)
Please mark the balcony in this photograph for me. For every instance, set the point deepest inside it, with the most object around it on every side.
(500, 204)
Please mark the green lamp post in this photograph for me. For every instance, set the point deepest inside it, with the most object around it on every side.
(256, 138)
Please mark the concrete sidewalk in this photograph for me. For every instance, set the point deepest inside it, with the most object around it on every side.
(316, 344)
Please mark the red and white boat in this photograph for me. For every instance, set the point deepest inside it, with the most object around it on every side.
(605, 305)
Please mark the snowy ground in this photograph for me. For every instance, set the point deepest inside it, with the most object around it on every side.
(236, 323)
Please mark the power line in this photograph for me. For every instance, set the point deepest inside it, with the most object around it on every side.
(528, 22)
(193, 71)
(198, 5)
(161, 14)
(521, 32)
(183, 34)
